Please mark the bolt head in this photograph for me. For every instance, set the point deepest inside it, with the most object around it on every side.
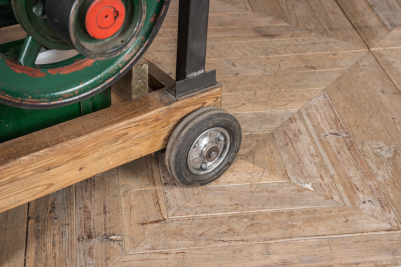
(204, 166)
(221, 138)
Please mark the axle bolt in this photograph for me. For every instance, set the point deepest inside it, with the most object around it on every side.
(213, 155)
(204, 166)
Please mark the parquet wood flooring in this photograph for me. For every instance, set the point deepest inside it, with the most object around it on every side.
(316, 87)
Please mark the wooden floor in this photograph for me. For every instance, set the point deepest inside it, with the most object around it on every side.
(316, 85)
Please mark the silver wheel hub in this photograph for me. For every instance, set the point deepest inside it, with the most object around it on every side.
(208, 151)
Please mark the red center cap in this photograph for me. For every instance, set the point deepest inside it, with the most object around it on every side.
(104, 18)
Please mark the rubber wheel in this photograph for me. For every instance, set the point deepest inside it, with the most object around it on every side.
(195, 126)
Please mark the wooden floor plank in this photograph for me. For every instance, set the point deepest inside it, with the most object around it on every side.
(244, 4)
(363, 250)
(258, 102)
(99, 229)
(365, 20)
(11, 33)
(389, 59)
(302, 159)
(390, 41)
(13, 225)
(258, 227)
(334, 22)
(231, 20)
(240, 172)
(266, 65)
(300, 15)
(262, 122)
(383, 96)
(278, 81)
(175, 193)
(373, 140)
(141, 197)
(269, 8)
(257, 48)
(245, 33)
(353, 178)
(215, 7)
(249, 142)
(266, 155)
(388, 10)
(51, 236)
(215, 200)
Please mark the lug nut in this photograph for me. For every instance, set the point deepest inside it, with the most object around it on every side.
(221, 138)
(204, 166)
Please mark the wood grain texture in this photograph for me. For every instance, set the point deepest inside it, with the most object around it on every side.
(351, 174)
(258, 102)
(388, 10)
(13, 225)
(302, 159)
(391, 41)
(300, 14)
(279, 81)
(258, 48)
(252, 197)
(334, 22)
(389, 59)
(269, 8)
(51, 236)
(141, 197)
(366, 250)
(266, 155)
(267, 65)
(175, 193)
(383, 96)
(11, 33)
(258, 227)
(99, 229)
(225, 20)
(241, 172)
(365, 20)
(373, 140)
(244, 4)
(249, 142)
(91, 144)
(263, 121)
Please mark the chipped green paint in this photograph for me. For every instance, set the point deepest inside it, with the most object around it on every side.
(16, 122)
(63, 83)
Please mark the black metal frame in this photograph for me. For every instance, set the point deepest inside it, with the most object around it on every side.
(191, 48)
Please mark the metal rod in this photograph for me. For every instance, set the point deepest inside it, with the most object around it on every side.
(191, 47)
(29, 52)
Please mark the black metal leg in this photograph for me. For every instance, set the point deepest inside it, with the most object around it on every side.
(191, 48)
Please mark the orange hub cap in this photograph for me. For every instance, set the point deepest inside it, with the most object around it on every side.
(104, 18)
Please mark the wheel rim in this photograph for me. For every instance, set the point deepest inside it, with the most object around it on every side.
(77, 78)
(30, 15)
(208, 151)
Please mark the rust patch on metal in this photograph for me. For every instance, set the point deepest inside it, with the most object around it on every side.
(73, 68)
(34, 73)
(153, 18)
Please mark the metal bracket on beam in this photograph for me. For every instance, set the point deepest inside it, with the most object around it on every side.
(191, 48)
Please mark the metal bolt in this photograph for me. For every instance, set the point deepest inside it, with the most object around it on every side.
(204, 166)
(221, 138)
(213, 154)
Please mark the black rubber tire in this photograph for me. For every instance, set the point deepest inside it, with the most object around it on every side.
(188, 131)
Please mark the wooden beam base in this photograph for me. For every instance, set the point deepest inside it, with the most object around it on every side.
(48, 160)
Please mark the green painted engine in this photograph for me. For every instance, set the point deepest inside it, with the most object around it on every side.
(74, 50)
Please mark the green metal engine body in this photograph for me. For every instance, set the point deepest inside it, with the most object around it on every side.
(35, 96)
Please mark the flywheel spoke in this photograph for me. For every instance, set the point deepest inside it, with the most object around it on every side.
(29, 52)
